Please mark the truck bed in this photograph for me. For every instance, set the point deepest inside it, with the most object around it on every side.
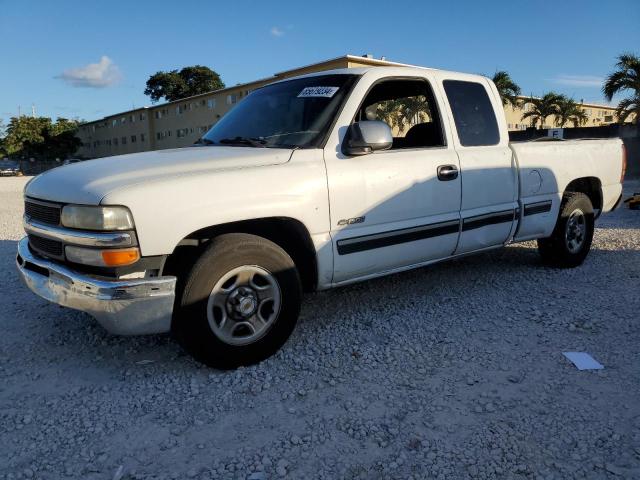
(547, 167)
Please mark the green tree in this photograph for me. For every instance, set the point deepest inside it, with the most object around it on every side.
(507, 88)
(26, 135)
(3, 150)
(569, 111)
(542, 108)
(39, 137)
(174, 84)
(62, 141)
(625, 78)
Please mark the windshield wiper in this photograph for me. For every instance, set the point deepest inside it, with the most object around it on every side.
(254, 142)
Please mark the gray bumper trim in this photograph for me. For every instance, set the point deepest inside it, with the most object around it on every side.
(76, 237)
(123, 307)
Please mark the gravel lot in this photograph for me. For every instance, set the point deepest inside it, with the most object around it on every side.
(453, 371)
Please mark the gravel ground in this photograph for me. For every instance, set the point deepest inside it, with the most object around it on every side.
(453, 371)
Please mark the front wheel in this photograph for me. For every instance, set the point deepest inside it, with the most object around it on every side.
(570, 242)
(240, 302)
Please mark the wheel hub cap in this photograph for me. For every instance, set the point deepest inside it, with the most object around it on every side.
(575, 231)
(243, 305)
(242, 302)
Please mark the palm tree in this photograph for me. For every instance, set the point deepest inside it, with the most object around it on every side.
(541, 108)
(569, 111)
(403, 112)
(626, 77)
(507, 88)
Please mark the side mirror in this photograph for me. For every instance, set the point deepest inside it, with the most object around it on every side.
(367, 136)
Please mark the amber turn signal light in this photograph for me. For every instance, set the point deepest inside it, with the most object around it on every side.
(120, 258)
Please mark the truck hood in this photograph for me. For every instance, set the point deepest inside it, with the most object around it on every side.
(90, 181)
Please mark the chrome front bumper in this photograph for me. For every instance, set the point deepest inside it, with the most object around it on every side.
(123, 307)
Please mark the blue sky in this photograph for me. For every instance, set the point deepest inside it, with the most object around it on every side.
(89, 59)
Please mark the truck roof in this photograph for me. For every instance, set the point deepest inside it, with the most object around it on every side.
(388, 70)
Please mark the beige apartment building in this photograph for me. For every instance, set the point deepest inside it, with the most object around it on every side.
(597, 115)
(182, 122)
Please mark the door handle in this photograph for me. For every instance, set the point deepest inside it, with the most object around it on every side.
(447, 172)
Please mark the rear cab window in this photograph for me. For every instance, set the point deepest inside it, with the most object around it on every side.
(473, 113)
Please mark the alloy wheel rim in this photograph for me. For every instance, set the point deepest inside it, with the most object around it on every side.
(575, 231)
(243, 305)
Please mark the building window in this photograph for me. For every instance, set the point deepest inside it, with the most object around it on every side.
(232, 99)
(114, 122)
(124, 140)
(158, 136)
(123, 120)
(115, 142)
(132, 119)
(142, 116)
(133, 139)
(158, 114)
(211, 103)
(142, 137)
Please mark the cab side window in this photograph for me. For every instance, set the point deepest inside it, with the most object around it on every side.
(472, 113)
(409, 108)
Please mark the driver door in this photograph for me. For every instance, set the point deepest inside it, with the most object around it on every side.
(389, 209)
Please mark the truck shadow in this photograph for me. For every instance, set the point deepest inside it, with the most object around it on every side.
(467, 281)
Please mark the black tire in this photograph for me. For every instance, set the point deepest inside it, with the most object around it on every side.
(556, 250)
(192, 325)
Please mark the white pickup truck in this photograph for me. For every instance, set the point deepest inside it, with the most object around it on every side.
(307, 184)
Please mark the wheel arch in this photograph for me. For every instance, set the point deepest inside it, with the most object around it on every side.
(288, 233)
(591, 187)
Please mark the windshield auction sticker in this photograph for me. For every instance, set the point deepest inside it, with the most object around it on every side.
(327, 92)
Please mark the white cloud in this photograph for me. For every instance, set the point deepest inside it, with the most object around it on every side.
(94, 75)
(276, 32)
(578, 80)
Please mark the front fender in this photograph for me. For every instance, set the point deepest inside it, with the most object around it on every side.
(168, 209)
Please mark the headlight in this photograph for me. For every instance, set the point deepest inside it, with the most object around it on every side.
(97, 218)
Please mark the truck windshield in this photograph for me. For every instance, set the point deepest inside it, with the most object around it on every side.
(294, 113)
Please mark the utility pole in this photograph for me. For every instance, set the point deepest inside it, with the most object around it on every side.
(19, 111)
(33, 110)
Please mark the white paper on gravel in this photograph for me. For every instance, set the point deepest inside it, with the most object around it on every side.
(583, 361)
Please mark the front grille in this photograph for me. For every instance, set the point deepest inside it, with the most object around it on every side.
(46, 246)
(41, 212)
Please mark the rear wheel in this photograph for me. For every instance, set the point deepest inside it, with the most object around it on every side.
(570, 242)
(240, 302)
